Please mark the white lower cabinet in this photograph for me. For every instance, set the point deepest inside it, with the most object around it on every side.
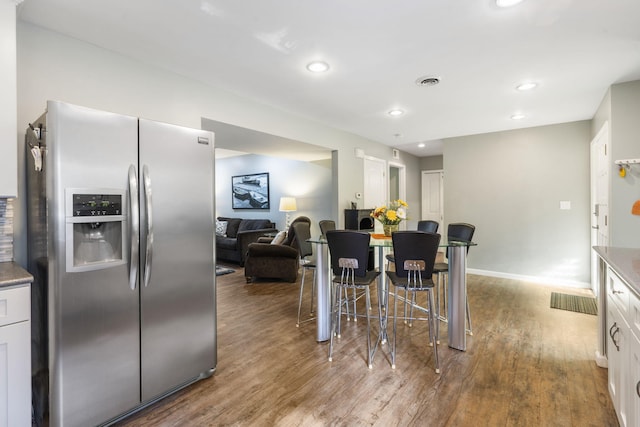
(616, 346)
(15, 357)
(623, 349)
(634, 381)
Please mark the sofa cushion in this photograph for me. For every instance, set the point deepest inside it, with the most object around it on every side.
(226, 242)
(280, 237)
(221, 228)
(232, 225)
(272, 251)
(254, 224)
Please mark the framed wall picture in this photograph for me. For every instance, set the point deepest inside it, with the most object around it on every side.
(250, 191)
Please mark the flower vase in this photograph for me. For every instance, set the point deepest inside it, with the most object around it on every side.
(389, 228)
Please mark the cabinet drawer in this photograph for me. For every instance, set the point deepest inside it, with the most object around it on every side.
(15, 305)
(618, 292)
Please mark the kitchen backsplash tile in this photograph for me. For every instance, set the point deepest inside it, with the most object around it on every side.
(6, 230)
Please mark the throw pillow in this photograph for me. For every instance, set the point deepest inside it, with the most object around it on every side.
(280, 237)
(221, 228)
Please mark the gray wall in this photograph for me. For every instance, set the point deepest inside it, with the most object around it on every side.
(602, 115)
(9, 175)
(53, 66)
(625, 144)
(309, 183)
(620, 107)
(431, 163)
(509, 185)
(414, 195)
(348, 161)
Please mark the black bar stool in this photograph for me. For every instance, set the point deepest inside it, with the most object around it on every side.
(415, 254)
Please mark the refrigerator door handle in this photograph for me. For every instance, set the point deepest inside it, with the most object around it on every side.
(134, 218)
(149, 225)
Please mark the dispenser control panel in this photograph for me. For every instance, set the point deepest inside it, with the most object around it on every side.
(95, 232)
(97, 204)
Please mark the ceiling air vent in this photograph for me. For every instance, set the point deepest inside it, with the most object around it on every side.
(428, 81)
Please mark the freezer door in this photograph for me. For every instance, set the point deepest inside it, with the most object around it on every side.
(178, 322)
(94, 333)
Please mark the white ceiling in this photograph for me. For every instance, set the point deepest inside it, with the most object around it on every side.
(574, 50)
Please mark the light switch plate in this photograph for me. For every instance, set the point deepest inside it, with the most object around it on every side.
(565, 205)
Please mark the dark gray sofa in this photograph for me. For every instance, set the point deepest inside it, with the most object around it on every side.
(240, 233)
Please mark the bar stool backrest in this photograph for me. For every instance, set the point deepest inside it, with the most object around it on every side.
(415, 246)
(303, 233)
(460, 232)
(326, 225)
(349, 244)
(291, 233)
(428, 226)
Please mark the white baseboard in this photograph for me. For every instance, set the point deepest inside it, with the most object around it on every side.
(536, 279)
(601, 360)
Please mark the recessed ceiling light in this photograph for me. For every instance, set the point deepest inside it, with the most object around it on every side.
(507, 3)
(317, 67)
(526, 86)
(518, 116)
(421, 145)
(395, 112)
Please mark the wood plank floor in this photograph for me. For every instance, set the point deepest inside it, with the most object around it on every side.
(526, 365)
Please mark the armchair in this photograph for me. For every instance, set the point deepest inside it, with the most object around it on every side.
(274, 261)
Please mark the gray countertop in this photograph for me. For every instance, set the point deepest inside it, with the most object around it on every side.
(12, 274)
(625, 261)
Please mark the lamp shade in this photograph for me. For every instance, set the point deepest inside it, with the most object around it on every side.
(288, 204)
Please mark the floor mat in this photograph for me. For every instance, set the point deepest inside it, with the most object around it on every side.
(575, 303)
(223, 270)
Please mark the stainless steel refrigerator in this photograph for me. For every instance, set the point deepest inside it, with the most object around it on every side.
(120, 242)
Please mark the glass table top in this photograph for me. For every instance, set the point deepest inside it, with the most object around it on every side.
(379, 240)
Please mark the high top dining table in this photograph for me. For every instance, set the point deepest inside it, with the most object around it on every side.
(457, 288)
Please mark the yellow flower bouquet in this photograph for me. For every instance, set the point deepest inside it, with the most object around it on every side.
(392, 215)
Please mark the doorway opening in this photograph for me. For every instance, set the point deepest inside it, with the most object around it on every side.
(397, 185)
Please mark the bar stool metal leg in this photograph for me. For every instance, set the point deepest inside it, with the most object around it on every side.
(432, 332)
(355, 312)
(300, 297)
(469, 330)
(395, 328)
(313, 290)
(311, 317)
(414, 284)
(368, 309)
(335, 322)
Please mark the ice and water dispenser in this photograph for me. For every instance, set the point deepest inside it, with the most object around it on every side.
(95, 229)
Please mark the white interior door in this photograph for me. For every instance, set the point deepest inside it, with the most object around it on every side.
(433, 196)
(599, 197)
(375, 185)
